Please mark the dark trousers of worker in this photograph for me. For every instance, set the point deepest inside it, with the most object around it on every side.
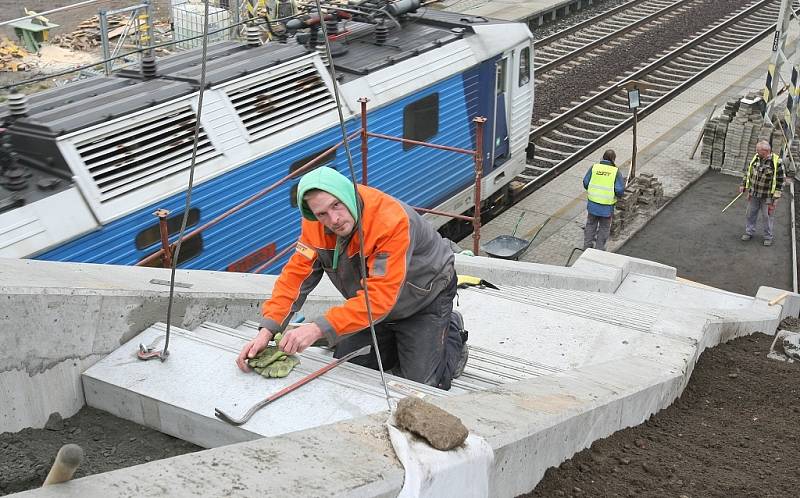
(596, 233)
(424, 347)
(756, 206)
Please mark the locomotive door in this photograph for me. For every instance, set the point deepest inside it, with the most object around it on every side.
(500, 148)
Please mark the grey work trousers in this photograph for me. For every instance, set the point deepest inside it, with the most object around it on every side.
(424, 347)
(755, 206)
(596, 233)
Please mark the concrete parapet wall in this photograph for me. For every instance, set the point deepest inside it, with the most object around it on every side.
(594, 270)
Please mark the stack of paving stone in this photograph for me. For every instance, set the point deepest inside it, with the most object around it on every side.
(645, 190)
(743, 133)
(713, 152)
(651, 191)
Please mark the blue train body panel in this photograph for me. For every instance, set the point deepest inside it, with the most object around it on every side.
(420, 176)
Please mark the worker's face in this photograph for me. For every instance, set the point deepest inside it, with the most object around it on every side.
(331, 212)
(763, 153)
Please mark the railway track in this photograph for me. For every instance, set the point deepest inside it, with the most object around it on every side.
(571, 44)
(560, 142)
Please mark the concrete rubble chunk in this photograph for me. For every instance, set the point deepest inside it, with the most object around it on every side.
(442, 430)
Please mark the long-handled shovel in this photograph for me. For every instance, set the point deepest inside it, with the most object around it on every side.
(286, 390)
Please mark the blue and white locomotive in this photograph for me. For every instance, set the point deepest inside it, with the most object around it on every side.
(86, 165)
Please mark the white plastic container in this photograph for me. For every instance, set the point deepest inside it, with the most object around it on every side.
(187, 21)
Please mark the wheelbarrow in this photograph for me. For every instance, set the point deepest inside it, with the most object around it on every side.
(509, 246)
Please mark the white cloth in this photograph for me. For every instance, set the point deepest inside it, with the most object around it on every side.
(462, 471)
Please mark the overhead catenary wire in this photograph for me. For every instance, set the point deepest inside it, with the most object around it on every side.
(359, 226)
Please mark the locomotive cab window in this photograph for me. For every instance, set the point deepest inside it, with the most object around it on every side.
(524, 66)
(421, 120)
(325, 161)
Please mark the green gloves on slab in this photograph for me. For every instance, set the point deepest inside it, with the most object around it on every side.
(272, 362)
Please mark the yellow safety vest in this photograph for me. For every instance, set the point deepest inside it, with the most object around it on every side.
(775, 160)
(601, 184)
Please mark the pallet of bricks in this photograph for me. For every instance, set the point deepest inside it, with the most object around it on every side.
(645, 191)
(729, 140)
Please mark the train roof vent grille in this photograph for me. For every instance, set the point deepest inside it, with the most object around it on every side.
(133, 157)
(282, 100)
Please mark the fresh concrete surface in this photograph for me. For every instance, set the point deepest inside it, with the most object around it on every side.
(178, 396)
(75, 314)
(588, 362)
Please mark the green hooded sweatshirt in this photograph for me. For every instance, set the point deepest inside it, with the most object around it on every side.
(332, 182)
(336, 184)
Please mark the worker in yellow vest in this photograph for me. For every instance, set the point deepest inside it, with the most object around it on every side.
(603, 183)
(763, 181)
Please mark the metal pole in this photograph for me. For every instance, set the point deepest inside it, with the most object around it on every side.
(104, 41)
(148, 12)
(166, 257)
(364, 150)
(476, 215)
(632, 173)
(794, 240)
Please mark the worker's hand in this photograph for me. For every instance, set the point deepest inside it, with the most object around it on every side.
(252, 348)
(741, 189)
(297, 340)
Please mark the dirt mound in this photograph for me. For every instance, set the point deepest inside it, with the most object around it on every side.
(733, 432)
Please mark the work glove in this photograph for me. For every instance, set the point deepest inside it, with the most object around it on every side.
(777, 194)
(741, 189)
(279, 368)
(272, 362)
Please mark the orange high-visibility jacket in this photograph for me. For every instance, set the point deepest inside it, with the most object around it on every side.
(408, 265)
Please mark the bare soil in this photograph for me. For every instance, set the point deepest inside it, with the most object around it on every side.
(732, 433)
(109, 443)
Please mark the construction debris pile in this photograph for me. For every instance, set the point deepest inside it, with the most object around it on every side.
(87, 36)
(729, 140)
(645, 191)
(11, 56)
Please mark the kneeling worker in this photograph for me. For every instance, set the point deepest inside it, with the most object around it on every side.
(410, 280)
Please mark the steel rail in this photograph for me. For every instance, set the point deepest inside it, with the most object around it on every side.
(586, 23)
(603, 96)
(669, 57)
(583, 50)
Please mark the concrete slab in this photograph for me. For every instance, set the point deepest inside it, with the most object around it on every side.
(178, 396)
